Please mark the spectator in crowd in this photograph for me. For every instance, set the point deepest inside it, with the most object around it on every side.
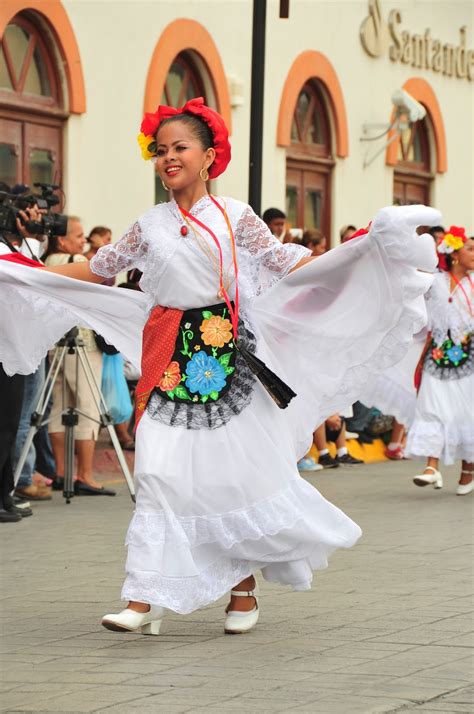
(25, 488)
(275, 220)
(293, 235)
(12, 395)
(347, 232)
(315, 241)
(334, 430)
(99, 236)
(11, 390)
(437, 232)
(63, 250)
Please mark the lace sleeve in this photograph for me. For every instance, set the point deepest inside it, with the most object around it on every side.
(267, 258)
(127, 253)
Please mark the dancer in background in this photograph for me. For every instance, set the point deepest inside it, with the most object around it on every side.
(235, 325)
(443, 428)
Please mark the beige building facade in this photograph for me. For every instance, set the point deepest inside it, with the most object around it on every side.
(76, 76)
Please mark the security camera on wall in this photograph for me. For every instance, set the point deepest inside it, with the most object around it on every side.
(405, 103)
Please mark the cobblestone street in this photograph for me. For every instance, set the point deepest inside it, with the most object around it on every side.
(387, 628)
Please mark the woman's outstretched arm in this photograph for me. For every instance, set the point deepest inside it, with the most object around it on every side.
(78, 271)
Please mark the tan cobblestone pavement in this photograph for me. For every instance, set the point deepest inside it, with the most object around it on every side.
(387, 628)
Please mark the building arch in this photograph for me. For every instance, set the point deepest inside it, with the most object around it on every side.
(184, 35)
(422, 91)
(313, 65)
(57, 20)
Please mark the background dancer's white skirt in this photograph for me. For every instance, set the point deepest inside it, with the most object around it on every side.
(444, 420)
(393, 391)
(214, 506)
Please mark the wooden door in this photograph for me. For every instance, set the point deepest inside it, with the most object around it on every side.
(316, 204)
(42, 154)
(408, 191)
(308, 197)
(11, 152)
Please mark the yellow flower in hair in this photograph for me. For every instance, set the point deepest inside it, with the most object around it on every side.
(454, 242)
(147, 145)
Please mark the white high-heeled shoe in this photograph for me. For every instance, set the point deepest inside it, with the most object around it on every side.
(129, 621)
(434, 479)
(463, 489)
(237, 622)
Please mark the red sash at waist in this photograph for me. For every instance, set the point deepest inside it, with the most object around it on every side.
(159, 338)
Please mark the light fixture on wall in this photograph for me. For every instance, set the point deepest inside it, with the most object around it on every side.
(236, 90)
(407, 112)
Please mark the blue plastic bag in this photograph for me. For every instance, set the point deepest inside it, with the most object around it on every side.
(115, 389)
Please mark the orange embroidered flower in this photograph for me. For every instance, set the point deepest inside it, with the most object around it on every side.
(171, 377)
(437, 353)
(216, 331)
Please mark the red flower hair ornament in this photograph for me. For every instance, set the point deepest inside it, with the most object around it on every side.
(454, 239)
(197, 108)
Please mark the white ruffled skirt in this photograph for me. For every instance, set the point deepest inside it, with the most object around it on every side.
(444, 420)
(215, 505)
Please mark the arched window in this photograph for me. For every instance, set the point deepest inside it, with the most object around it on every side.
(31, 113)
(183, 82)
(309, 162)
(413, 176)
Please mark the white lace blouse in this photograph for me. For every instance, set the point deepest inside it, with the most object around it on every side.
(183, 271)
(455, 314)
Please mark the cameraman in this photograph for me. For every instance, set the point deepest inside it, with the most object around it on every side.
(12, 391)
(64, 249)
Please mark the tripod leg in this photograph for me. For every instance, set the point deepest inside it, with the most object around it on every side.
(70, 419)
(39, 412)
(105, 418)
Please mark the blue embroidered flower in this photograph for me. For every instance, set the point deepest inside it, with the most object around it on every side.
(204, 374)
(455, 354)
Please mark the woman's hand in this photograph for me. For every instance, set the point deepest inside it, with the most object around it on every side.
(302, 262)
(30, 214)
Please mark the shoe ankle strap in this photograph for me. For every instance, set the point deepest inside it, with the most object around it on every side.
(243, 593)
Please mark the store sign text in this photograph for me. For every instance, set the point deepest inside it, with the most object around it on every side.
(417, 50)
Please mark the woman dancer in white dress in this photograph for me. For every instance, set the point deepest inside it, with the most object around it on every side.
(218, 492)
(443, 428)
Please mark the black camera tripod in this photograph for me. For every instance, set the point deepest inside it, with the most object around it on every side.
(72, 345)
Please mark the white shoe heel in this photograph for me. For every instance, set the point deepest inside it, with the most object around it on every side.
(434, 479)
(237, 622)
(152, 628)
(463, 489)
(130, 621)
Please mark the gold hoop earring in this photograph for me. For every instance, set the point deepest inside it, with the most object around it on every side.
(204, 174)
(164, 185)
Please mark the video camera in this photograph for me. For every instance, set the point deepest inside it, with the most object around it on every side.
(19, 198)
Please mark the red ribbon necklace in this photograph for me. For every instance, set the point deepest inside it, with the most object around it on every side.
(461, 286)
(233, 311)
